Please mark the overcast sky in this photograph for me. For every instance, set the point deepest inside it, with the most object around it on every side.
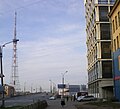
(52, 41)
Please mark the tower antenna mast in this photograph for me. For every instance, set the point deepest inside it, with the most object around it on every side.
(15, 77)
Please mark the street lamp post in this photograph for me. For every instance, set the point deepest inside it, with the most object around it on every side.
(50, 86)
(54, 87)
(63, 74)
(31, 88)
(1, 74)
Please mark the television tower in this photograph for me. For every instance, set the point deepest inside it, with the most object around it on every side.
(15, 77)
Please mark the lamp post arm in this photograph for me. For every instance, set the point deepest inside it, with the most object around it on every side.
(14, 40)
(6, 43)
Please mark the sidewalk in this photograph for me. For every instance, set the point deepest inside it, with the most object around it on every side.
(55, 104)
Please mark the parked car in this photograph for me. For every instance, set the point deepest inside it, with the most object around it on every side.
(80, 98)
(86, 98)
(52, 98)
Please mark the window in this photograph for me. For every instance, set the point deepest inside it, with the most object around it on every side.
(107, 69)
(103, 12)
(119, 18)
(113, 26)
(117, 42)
(116, 24)
(106, 50)
(119, 39)
(112, 1)
(111, 8)
(114, 45)
(94, 16)
(105, 31)
(103, 1)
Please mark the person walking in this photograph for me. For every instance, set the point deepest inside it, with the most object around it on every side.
(67, 98)
(62, 102)
(74, 98)
(71, 97)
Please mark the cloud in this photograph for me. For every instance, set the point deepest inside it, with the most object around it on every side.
(69, 27)
(50, 54)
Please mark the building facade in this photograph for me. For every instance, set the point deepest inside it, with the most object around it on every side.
(100, 78)
(115, 20)
(73, 89)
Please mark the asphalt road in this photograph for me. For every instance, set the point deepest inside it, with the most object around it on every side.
(24, 100)
(56, 104)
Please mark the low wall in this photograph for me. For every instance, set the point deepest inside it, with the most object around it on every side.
(38, 105)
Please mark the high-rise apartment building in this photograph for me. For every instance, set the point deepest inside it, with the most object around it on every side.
(100, 78)
(115, 21)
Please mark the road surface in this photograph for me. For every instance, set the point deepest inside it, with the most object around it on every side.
(56, 104)
(24, 100)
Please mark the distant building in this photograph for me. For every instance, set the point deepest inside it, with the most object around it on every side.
(115, 20)
(63, 89)
(71, 89)
(83, 88)
(9, 90)
(100, 78)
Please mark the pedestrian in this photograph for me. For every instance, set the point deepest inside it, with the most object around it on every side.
(71, 97)
(74, 98)
(62, 102)
(67, 98)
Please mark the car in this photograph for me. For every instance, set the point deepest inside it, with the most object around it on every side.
(80, 98)
(52, 98)
(86, 98)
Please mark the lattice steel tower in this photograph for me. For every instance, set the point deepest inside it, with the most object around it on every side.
(15, 77)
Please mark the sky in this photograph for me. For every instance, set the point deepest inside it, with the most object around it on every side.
(52, 40)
